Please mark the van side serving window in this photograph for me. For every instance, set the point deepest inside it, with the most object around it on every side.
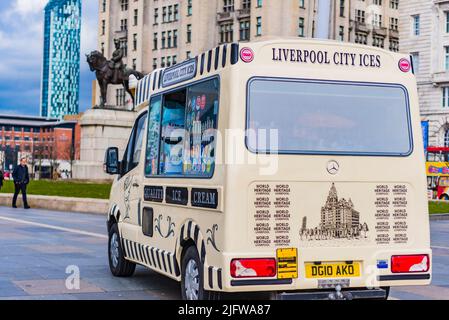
(134, 149)
(324, 117)
(182, 131)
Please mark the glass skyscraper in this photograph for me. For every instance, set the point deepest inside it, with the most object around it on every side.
(61, 63)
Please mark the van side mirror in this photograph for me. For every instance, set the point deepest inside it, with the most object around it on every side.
(111, 163)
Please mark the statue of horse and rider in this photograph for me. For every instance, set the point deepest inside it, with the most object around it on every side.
(111, 72)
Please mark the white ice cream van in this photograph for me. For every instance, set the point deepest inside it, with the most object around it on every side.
(289, 167)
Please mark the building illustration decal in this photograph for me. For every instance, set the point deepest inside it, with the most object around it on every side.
(339, 220)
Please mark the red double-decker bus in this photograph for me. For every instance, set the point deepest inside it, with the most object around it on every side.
(437, 170)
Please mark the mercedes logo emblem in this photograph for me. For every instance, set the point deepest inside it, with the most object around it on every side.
(333, 167)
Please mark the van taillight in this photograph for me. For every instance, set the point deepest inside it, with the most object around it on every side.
(253, 268)
(410, 263)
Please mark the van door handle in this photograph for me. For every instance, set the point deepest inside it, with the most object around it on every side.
(136, 185)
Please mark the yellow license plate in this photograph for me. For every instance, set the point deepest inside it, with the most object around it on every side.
(333, 270)
(287, 260)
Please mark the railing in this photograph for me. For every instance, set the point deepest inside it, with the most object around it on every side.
(223, 16)
(440, 77)
(380, 31)
(243, 13)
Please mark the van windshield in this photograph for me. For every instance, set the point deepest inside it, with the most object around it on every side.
(292, 116)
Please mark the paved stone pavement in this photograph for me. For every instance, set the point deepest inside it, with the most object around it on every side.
(38, 247)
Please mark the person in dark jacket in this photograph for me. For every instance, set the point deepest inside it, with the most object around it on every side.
(21, 180)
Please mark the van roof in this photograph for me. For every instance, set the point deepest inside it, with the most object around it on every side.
(224, 56)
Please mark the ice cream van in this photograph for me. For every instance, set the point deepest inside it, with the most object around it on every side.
(288, 168)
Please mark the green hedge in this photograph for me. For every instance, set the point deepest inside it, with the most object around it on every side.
(438, 207)
(64, 189)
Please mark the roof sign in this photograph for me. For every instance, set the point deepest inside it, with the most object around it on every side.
(179, 73)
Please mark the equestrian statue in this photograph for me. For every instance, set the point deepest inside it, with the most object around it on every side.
(111, 72)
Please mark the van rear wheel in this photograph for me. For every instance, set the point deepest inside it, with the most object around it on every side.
(192, 277)
(120, 267)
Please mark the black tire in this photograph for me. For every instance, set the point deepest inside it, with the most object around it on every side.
(387, 291)
(122, 267)
(191, 254)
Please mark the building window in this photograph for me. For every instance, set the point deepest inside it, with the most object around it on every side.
(163, 40)
(301, 32)
(103, 27)
(361, 38)
(176, 12)
(377, 2)
(189, 33)
(124, 25)
(446, 138)
(302, 4)
(360, 16)
(415, 61)
(168, 61)
(164, 14)
(416, 25)
(175, 38)
(258, 26)
(156, 15)
(154, 63)
(445, 97)
(378, 41)
(163, 62)
(394, 4)
(134, 64)
(169, 44)
(377, 20)
(342, 8)
(394, 24)
(244, 30)
(259, 3)
(341, 33)
(228, 5)
(226, 33)
(102, 48)
(135, 41)
(246, 4)
(189, 7)
(155, 41)
(104, 6)
(188, 54)
(446, 58)
(136, 17)
(174, 59)
(120, 97)
(447, 21)
(124, 5)
(124, 46)
(394, 45)
(170, 14)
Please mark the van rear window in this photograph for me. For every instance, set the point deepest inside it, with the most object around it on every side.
(317, 117)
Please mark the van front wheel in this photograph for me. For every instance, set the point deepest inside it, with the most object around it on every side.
(120, 267)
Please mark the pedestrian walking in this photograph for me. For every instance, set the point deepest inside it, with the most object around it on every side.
(21, 180)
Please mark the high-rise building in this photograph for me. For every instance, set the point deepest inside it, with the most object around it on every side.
(160, 33)
(424, 32)
(61, 60)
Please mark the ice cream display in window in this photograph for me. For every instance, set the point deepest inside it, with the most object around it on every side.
(172, 139)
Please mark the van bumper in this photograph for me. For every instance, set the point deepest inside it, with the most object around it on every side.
(352, 294)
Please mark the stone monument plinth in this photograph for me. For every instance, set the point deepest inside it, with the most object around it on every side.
(101, 129)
